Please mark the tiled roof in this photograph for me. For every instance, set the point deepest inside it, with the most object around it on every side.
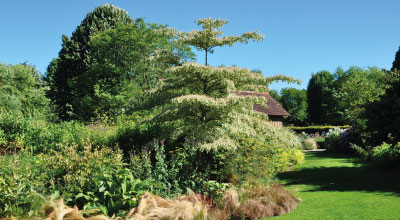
(273, 107)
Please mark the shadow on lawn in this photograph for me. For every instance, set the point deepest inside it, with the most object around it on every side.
(362, 178)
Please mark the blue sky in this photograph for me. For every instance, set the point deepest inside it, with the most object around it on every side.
(301, 37)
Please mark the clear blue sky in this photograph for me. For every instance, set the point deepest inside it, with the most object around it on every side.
(301, 37)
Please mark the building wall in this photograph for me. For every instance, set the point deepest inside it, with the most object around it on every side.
(276, 120)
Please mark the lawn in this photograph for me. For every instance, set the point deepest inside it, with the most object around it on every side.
(333, 186)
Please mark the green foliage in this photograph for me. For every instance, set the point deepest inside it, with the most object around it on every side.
(295, 102)
(353, 90)
(126, 64)
(178, 169)
(74, 56)
(319, 95)
(315, 129)
(72, 171)
(383, 115)
(200, 105)
(21, 185)
(38, 136)
(275, 94)
(114, 193)
(209, 37)
(22, 91)
(386, 155)
(341, 98)
(396, 62)
(258, 161)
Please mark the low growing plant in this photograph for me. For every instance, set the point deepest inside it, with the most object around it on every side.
(309, 144)
(22, 188)
(114, 193)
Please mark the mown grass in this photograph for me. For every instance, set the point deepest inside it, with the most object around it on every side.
(333, 186)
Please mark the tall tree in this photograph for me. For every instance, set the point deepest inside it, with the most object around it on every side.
(352, 90)
(210, 36)
(319, 95)
(126, 65)
(383, 115)
(396, 62)
(295, 102)
(74, 56)
(202, 107)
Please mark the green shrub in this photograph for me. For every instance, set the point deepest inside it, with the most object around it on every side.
(19, 132)
(114, 193)
(71, 171)
(384, 156)
(257, 161)
(22, 188)
(179, 168)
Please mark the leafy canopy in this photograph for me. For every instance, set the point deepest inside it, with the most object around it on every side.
(203, 106)
(295, 102)
(210, 36)
(126, 64)
(319, 97)
(74, 58)
(396, 62)
(22, 91)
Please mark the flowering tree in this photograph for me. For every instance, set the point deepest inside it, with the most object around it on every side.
(209, 37)
(203, 107)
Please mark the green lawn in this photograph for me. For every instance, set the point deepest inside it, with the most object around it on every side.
(333, 186)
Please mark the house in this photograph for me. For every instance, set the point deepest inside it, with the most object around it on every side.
(274, 110)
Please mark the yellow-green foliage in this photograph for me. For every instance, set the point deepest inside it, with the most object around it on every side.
(21, 185)
(257, 161)
(309, 144)
(72, 170)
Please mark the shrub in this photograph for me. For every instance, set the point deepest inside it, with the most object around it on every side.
(21, 185)
(257, 161)
(19, 132)
(309, 144)
(332, 139)
(114, 193)
(179, 168)
(71, 171)
(384, 156)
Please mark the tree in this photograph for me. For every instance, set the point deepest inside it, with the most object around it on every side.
(383, 115)
(22, 92)
(353, 89)
(275, 94)
(319, 97)
(126, 64)
(209, 37)
(295, 102)
(74, 56)
(202, 106)
(396, 62)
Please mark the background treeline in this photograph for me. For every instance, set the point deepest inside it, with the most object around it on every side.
(122, 111)
(367, 99)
